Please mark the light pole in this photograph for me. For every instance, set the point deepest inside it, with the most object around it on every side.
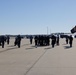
(47, 30)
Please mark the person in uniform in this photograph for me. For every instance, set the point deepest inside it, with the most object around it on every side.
(57, 41)
(67, 38)
(8, 39)
(31, 39)
(36, 41)
(2, 41)
(53, 41)
(17, 41)
(70, 40)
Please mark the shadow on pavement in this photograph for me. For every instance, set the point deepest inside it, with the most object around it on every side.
(8, 49)
(29, 48)
(11, 46)
(48, 48)
(67, 47)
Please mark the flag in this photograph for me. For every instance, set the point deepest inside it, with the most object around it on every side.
(73, 30)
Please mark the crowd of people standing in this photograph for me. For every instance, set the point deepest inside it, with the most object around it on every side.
(40, 40)
(45, 40)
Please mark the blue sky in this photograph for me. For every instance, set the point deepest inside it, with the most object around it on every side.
(34, 16)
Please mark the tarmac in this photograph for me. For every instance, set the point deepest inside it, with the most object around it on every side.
(44, 60)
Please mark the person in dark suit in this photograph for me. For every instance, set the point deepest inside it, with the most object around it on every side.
(19, 40)
(8, 39)
(15, 43)
(57, 40)
(31, 39)
(36, 41)
(53, 40)
(70, 40)
(67, 39)
(2, 40)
